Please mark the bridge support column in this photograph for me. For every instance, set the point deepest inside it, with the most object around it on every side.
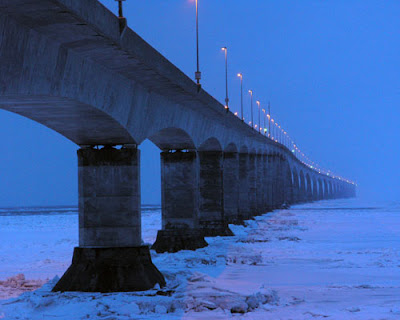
(270, 183)
(252, 169)
(314, 189)
(265, 183)
(280, 183)
(244, 203)
(231, 187)
(287, 184)
(110, 257)
(211, 207)
(260, 185)
(179, 197)
(275, 182)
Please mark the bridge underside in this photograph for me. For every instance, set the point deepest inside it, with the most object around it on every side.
(80, 123)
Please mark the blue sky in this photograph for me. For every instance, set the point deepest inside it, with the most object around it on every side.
(330, 69)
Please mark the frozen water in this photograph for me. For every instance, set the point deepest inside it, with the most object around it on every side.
(331, 259)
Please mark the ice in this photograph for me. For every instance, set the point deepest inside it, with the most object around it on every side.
(330, 259)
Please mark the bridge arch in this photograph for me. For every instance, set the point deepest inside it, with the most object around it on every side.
(79, 122)
(211, 144)
(231, 148)
(173, 139)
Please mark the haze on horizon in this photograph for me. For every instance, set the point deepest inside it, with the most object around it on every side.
(330, 69)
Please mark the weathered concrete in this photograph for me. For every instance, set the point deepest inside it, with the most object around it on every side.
(231, 187)
(287, 183)
(121, 269)
(109, 198)
(179, 196)
(274, 181)
(260, 184)
(309, 193)
(110, 256)
(265, 182)
(252, 183)
(211, 208)
(280, 182)
(244, 203)
(270, 183)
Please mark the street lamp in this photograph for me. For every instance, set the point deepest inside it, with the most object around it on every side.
(197, 74)
(259, 117)
(269, 119)
(251, 106)
(121, 18)
(241, 94)
(265, 129)
(225, 49)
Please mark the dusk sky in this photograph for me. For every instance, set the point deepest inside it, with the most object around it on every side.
(330, 69)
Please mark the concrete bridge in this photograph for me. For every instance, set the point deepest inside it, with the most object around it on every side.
(68, 65)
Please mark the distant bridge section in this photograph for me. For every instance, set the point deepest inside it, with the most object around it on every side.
(67, 65)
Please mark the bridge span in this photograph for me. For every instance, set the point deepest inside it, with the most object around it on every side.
(68, 65)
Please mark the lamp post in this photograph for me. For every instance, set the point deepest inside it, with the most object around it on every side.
(241, 94)
(225, 49)
(269, 119)
(265, 129)
(259, 117)
(197, 74)
(121, 18)
(251, 107)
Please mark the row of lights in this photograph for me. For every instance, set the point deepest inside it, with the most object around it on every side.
(274, 131)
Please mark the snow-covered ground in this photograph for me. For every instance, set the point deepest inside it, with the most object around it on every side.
(326, 260)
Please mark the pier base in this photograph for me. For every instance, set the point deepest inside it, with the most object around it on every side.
(110, 270)
(174, 240)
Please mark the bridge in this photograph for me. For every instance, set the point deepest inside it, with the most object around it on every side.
(71, 66)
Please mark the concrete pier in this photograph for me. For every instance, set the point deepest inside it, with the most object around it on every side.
(265, 183)
(110, 256)
(260, 184)
(231, 187)
(179, 197)
(280, 183)
(211, 197)
(252, 183)
(244, 203)
(270, 184)
(273, 163)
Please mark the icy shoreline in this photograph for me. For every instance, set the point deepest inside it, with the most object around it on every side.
(333, 259)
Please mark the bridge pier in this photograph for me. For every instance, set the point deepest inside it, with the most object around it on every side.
(244, 202)
(260, 184)
(281, 185)
(252, 179)
(110, 257)
(231, 187)
(211, 195)
(270, 183)
(265, 184)
(287, 182)
(179, 201)
(275, 182)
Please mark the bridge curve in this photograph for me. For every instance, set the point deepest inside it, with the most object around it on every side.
(67, 65)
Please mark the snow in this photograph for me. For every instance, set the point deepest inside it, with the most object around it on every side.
(331, 259)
